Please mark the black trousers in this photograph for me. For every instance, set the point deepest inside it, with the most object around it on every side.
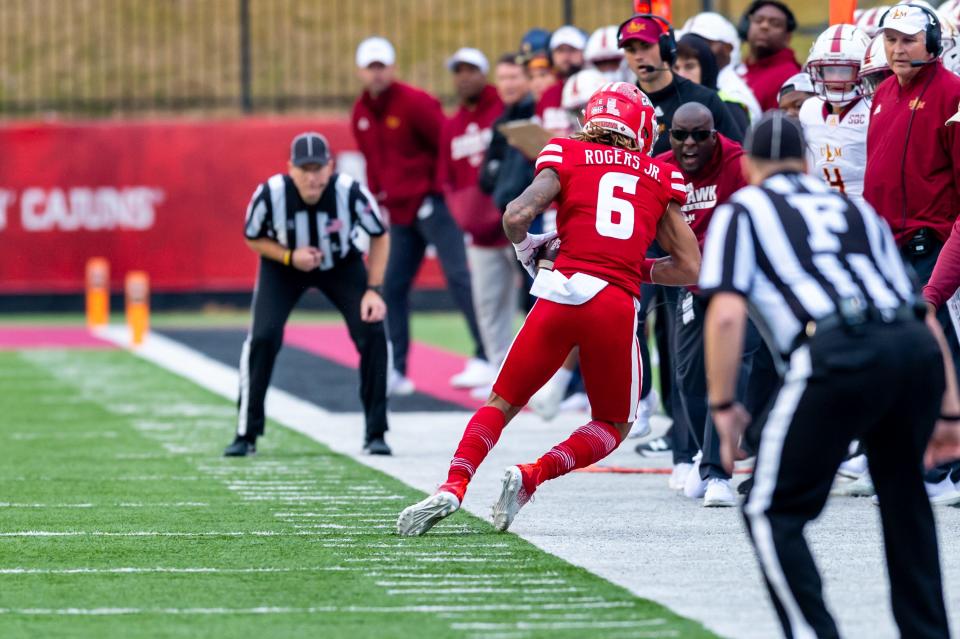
(754, 385)
(882, 386)
(278, 290)
(407, 246)
(923, 268)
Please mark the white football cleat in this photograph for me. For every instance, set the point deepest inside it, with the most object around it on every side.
(719, 494)
(693, 486)
(421, 517)
(399, 385)
(853, 467)
(477, 372)
(546, 401)
(648, 406)
(513, 497)
(679, 475)
(943, 493)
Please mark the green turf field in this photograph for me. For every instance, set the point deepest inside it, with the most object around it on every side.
(120, 519)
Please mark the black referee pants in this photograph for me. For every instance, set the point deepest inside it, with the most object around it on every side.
(883, 387)
(923, 268)
(278, 289)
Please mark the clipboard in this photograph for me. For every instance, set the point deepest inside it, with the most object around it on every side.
(527, 136)
(953, 306)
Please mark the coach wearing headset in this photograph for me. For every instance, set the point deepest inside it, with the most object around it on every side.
(913, 159)
(650, 49)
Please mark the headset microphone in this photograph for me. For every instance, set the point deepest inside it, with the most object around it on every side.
(649, 68)
(920, 63)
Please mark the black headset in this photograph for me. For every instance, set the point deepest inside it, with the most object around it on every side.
(932, 30)
(743, 27)
(667, 40)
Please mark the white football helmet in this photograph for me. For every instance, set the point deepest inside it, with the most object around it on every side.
(834, 63)
(869, 19)
(602, 50)
(950, 11)
(873, 68)
(577, 91)
(950, 41)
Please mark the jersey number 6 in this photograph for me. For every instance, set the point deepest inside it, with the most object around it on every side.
(621, 227)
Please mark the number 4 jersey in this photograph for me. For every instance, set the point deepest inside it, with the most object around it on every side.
(610, 203)
(837, 144)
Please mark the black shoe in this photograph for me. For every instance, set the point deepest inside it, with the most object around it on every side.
(745, 485)
(654, 448)
(377, 446)
(240, 448)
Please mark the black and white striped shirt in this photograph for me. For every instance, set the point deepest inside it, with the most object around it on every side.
(795, 248)
(277, 212)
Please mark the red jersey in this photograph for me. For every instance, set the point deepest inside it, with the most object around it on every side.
(610, 203)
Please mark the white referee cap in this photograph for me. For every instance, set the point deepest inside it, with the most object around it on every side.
(375, 49)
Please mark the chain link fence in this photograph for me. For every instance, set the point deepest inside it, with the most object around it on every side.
(98, 58)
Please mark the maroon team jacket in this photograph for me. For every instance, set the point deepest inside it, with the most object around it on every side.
(925, 167)
(720, 178)
(766, 75)
(398, 132)
(463, 143)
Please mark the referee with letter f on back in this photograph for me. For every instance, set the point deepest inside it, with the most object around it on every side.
(302, 224)
(830, 290)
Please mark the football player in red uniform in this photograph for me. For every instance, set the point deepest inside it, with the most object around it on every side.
(614, 200)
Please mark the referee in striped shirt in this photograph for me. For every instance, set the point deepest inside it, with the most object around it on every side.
(824, 280)
(302, 224)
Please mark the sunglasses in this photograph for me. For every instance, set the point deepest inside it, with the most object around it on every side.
(698, 136)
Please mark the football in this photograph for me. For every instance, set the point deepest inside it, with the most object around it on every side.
(546, 255)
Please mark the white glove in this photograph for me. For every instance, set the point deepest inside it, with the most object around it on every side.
(527, 249)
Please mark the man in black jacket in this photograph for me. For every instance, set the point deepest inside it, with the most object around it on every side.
(650, 50)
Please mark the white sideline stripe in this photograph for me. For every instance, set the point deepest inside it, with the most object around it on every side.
(152, 533)
(137, 571)
(284, 610)
(172, 504)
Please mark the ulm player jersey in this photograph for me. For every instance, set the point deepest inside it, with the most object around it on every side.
(837, 144)
(610, 203)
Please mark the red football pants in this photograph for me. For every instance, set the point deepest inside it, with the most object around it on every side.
(605, 329)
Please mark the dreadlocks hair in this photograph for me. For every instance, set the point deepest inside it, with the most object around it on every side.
(596, 135)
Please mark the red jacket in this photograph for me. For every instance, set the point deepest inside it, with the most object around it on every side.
(549, 109)
(463, 144)
(945, 279)
(924, 167)
(766, 75)
(398, 132)
(720, 178)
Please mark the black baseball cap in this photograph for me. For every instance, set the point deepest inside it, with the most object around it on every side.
(309, 148)
(775, 136)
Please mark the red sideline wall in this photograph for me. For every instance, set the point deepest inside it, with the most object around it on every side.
(167, 197)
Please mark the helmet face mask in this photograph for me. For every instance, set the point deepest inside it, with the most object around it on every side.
(623, 108)
(834, 63)
(836, 82)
